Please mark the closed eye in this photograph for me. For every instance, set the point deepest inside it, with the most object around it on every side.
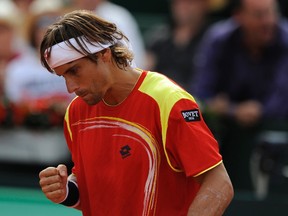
(72, 71)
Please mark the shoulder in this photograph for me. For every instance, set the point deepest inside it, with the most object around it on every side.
(283, 24)
(283, 30)
(157, 34)
(155, 81)
(163, 90)
(221, 30)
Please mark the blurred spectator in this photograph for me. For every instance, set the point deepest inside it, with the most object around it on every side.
(171, 46)
(218, 5)
(42, 13)
(123, 19)
(11, 44)
(23, 8)
(26, 7)
(23, 5)
(33, 101)
(239, 63)
(36, 97)
(219, 9)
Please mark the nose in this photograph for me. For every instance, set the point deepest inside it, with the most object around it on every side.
(71, 85)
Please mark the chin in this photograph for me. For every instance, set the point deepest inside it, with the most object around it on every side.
(91, 102)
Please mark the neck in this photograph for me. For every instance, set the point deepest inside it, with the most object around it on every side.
(255, 49)
(256, 45)
(123, 84)
(185, 32)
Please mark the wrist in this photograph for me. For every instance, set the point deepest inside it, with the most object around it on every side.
(72, 198)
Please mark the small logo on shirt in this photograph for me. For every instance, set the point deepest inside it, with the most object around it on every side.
(191, 115)
(125, 151)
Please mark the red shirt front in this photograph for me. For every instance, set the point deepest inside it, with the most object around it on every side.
(139, 157)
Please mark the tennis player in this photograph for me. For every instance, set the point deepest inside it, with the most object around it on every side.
(138, 141)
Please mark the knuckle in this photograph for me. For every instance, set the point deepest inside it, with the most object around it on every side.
(59, 193)
(55, 195)
(59, 185)
(50, 196)
(46, 172)
(43, 182)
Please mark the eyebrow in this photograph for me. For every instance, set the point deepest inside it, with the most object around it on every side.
(68, 69)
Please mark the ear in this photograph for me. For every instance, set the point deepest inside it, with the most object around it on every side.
(106, 55)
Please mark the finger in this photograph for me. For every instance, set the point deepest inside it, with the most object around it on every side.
(62, 170)
(51, 180)
(56, 196)
(50, 171)
(53, 187)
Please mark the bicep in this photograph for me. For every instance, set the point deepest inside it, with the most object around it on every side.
(215, 193)
(218, 173)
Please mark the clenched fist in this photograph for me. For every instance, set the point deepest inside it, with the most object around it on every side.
(53, 182)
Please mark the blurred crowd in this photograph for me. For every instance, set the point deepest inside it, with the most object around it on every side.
(232, 56)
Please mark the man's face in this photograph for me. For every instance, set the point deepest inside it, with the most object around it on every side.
(258, 19)
(87, 4)
(189, 11)
(85, 78)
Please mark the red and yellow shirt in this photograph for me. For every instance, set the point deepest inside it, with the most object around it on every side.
(139, 157)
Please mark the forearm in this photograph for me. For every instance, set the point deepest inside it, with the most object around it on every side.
(209, 202)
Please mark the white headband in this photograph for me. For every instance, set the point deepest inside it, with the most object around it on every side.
(63, 53)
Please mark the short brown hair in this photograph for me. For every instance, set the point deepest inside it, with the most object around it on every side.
(94, 29)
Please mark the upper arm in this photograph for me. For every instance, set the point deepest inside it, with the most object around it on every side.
(216, 172)
(215, 193)
(216, 178)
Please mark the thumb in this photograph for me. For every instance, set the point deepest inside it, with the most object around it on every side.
(62, 170)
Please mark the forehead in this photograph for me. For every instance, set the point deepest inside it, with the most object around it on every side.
(71, 50)
(65, 68)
